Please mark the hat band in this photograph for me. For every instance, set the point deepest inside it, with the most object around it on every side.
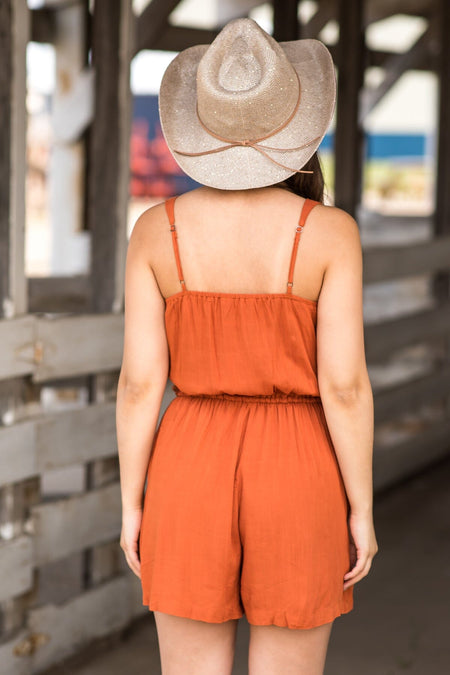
(254, 143)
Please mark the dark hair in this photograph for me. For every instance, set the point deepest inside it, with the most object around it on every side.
(309, 185)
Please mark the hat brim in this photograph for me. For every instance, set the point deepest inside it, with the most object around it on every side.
(240, 168)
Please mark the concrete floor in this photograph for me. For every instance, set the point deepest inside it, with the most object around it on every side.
(400, 623)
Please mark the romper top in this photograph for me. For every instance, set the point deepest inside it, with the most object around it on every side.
(250, 344)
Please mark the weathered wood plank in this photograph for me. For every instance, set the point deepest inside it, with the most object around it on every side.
(60, 347)
(384, 263)
(383, 338)
(68, 294)
(16, 567)
(108, 175)
(406, 397)
(74, 624)
(69, 525)
(56, 440)
(12, 662)
(17, 452)
(17, 346)
(77, 345)
(396, 462)
(77, 436)
(14, 32)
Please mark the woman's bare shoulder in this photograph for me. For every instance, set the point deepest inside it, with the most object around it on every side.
(150, 221)
(336, 228)
(154, 221)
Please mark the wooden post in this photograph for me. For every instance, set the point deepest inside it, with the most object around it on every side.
(70, 241)
(285, 21)
(349, 135)
(112, 46)
(442, 213)
(441, 282)
(112, 33)
(14, 29)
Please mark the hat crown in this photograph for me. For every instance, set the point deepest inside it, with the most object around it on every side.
(246, 86)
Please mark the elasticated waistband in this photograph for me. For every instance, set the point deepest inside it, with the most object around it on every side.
(269, 398)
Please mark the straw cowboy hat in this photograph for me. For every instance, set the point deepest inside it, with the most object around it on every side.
(247, 111)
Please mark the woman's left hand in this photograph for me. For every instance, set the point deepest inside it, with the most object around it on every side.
(129, 537)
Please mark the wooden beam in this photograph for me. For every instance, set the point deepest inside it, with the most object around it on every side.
(16, 567)
(377, 10)
(349, 135)
(395, 67)
(65, 526)
(379, 59)
(395, 463)
(59, 294)
(87, 434)
(14, 33)
(78, 345)
(108, 172)
(285, 21)
(66, 346)
(32, 447)
(43, 25)
(407, 397)
(17, 355)
(383, 338)
(152, 21)
(97, 613)
(326, 11)
(18, 452)
(177, 38)
(383, 263)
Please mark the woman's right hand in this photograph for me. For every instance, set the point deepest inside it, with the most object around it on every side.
(363, 547)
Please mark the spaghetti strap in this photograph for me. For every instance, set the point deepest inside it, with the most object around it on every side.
(308, 205)
(170, 209)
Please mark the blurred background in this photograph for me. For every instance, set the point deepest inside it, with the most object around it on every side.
(81, 156)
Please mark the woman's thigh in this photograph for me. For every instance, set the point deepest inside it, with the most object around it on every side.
(190, 647)
(289, 651)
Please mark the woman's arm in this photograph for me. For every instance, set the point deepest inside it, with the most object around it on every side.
(344, 382)
(141, 384)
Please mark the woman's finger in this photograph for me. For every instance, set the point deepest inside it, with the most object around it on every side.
(360, 575)
(133, 562)
(361, 561)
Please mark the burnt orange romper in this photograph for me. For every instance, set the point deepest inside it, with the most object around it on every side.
(245, 508)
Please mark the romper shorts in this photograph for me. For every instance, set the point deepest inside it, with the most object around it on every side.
(245, 512)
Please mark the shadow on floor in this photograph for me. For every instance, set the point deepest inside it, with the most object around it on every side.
(401, 617)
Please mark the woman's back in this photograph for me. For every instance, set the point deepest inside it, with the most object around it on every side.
(242, 343)
(241, 242)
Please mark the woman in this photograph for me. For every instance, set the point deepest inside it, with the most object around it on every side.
(259, 476)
